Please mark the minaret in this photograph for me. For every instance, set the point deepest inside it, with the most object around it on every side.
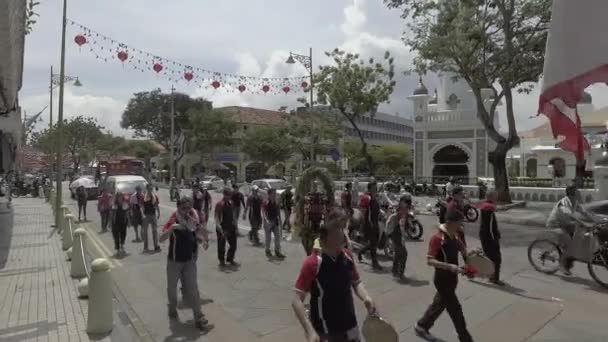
(421, 99)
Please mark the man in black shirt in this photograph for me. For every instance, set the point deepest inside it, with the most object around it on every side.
(272, 224)
(238, 200)
(287, 204)
(225, 227)
(254, 208)
(370, 213)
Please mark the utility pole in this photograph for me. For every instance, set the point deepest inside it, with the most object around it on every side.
(59, 172)
(51, 99)
(172, 138)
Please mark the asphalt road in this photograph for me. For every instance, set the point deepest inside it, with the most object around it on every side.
(252, 303)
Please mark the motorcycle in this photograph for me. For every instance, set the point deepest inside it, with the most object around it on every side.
(357, 237)
(471, 214)
(21, 190)
(415, 229)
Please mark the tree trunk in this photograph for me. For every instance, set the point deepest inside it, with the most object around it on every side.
(368, 157)
(501, 178)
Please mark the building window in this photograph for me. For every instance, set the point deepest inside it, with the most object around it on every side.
(531, 167)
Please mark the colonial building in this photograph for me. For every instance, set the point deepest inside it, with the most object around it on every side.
(449, 139)
(539, 156)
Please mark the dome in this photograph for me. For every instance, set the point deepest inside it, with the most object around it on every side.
(586, 98)
(603, 160)
(434, 99)
(421, 89)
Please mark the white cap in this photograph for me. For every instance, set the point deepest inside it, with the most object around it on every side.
(255, 188)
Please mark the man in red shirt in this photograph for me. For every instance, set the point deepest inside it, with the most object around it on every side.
(444, 247)
(330, 276)
(370, 214)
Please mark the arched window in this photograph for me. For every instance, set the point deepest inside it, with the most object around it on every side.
(531, 167)
(559, 167)
(450, 155)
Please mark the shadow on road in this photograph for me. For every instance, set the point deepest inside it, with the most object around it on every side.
(512, 290)
(184, 331)
(412, 282)
(590, 284)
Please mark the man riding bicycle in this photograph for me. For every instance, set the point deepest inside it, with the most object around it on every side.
(564, 216)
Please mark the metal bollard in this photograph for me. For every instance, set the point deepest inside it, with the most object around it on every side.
(79, 267)
(66, 232)
(100, 298)
(65, 210)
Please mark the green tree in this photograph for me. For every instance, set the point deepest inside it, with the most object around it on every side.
(209, 130)
(80, 137)
(148, 113)
(312, 134)
(393, 158)
(111, 145)
(495, 45)
(355, 87)
(267, 145)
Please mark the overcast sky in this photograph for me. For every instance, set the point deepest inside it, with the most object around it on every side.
(233, 36)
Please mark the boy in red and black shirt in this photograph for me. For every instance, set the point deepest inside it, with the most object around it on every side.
(330, 275)
(444, 247)
(226, 229)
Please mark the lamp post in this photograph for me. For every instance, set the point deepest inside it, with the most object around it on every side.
(54, 83)
(59, 148)
(306, 61)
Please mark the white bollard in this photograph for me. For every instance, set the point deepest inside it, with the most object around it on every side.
(69, 253)
(100, 298)
(66, 231)
(83, 288)
(79, 267)
(65, 210)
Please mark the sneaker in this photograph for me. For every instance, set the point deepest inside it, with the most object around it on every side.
(279, 255)
(234, 263)
(222, 264)
(157, 249)
(203, 325)
(268, 254)
(425, 334)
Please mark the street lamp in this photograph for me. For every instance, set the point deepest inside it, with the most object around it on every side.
(54, 83)
(306, 61)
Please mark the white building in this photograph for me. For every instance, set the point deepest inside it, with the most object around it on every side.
(449, 139)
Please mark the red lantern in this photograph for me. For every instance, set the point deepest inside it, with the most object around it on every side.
(266, 88)
(157, 67)
(242, 88)
(216, 84)
(304, 84)
(286, 89)
(188, 75)
(123, 55)
(80, 40)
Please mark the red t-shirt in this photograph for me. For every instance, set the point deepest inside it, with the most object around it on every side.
(436, 243)
(310, 268)
(365, 201)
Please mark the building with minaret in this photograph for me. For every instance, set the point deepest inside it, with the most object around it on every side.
(449, 139)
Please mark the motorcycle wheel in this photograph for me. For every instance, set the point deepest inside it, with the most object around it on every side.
(598, 266)
(389, 249)
(471, 214)
(415, 230)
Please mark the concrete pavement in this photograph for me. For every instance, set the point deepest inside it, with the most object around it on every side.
(253, 303)
(38, 298)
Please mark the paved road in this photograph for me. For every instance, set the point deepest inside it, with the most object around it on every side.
(253, 302)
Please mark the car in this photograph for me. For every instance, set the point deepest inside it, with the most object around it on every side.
(125, 184)
(212, 182)
(599, 208)
(270, 183)
(88, 182)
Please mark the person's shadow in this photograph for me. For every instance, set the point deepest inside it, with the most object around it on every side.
(185, 331)
(512, 290)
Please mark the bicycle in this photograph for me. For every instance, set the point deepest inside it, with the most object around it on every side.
(597, 265)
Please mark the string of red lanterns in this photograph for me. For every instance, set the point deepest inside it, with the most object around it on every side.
(105, 48)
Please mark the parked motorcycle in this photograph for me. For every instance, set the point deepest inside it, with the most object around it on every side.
(471, 214)
(415, 229)
(21, 190)
(357, 237)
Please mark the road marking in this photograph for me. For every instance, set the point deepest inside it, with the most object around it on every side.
(100, 245)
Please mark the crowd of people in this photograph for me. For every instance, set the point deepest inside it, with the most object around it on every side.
(329, 274)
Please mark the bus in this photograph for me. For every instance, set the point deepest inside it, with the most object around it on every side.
(123, 167)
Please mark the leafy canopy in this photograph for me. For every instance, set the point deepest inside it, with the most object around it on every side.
(210, 129)
(267, 145)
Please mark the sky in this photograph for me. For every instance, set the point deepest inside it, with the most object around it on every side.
(233, 36)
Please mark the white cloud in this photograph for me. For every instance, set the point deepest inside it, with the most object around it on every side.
(354, 18)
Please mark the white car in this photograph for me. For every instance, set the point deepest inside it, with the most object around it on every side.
(270, 183)
(212, 182)
(125, 184)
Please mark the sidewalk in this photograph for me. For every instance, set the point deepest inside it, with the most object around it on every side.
(38, 299)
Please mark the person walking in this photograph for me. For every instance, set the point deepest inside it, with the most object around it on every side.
(287, 205)
(370, 213)
(120, 220)
(254, 208)
(330, 276)
(82, 198)
(397, 225)
(197, 201)
(184, 232)
(151, 211)
(489, 235)
(207, 204)
(272, 224)
(238, 201)
(444, 247)
(137, 212)
(225, 227)
(104, 207)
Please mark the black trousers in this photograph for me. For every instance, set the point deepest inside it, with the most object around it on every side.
(229, 235)
(400, 256)
(445, 299)
(119, 233)
(82, 209)
(256, 223)
(491, 248)
(286, 223)
(371, 233)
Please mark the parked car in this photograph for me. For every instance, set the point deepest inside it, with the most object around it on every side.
(212, 182)
(89, 183)
(125, 184)
(270, 183)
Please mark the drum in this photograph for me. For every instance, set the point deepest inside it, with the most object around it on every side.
(377, 329)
